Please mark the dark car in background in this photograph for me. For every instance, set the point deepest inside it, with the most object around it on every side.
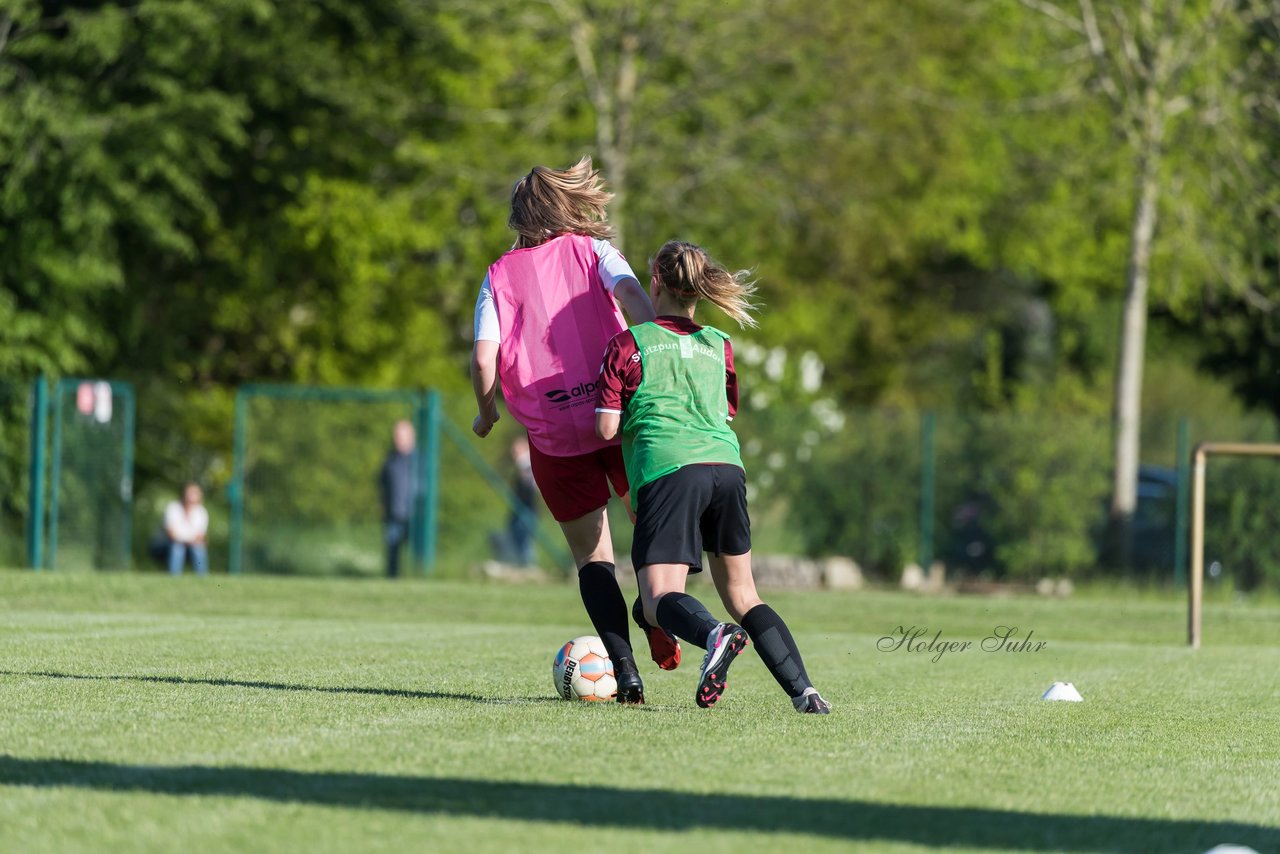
(1155, 521)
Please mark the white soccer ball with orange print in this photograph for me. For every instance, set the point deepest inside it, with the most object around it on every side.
(582, 670)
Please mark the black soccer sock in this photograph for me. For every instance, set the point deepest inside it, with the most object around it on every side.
(686, 617)
(778, 649)
(607, 609)
(637, 614)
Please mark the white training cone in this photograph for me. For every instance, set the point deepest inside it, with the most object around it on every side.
(1230, 849)
(1062, 691)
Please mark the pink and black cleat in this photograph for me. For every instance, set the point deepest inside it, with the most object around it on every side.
(724, 645)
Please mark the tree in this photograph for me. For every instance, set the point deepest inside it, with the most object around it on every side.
(106, 145)
(1159, 65)
(1240, 330)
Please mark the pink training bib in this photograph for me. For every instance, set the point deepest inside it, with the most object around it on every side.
(555, 318)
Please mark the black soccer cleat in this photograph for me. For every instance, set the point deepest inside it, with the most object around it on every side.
(630, 685)
(724, 645)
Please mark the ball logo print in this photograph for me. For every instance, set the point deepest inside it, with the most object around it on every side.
(566, 676)
(582, 670)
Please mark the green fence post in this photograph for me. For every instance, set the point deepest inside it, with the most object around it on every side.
(927, 486)
(430, 480)
(35, 495)
(55, 476)
(235, 490)
(1180, 511)
(418, 523)
(126, 486)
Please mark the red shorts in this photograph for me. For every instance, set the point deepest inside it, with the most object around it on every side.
(572, 487)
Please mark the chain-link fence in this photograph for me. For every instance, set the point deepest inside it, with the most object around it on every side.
(91, 475)
(1242, 507)
(1009, 497)
(1005, 496)
(306, 498)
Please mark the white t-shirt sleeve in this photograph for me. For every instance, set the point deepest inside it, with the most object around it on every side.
(612, 267)
(486, 322)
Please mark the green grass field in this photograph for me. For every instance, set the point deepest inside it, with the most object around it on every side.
(140, 713)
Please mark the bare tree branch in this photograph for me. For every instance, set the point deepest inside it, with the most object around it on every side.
(1098, 48)
(1049, 10)
(6, 27)
(580, 37)
(1133, 65)
(1257, 300)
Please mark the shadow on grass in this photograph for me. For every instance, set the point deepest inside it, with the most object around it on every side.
(284, 686)
(648, 809)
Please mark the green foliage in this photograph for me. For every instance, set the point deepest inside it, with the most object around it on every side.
(111, 133)
(1241, 501)
(858, 493)
(1035, 484)
(1242, 512)
(15, 441)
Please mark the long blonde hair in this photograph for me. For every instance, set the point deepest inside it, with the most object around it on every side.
(688, 274)
(549, 202)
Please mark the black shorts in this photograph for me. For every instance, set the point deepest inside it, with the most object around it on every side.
(694, 509)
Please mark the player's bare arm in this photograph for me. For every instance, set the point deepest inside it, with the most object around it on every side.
(484, 381)
(607, 425)
(634, 300)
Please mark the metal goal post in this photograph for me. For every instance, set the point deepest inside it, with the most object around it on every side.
(1200, 457)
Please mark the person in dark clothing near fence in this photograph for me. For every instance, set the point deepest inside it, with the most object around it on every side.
(398, 488)
(522, 524)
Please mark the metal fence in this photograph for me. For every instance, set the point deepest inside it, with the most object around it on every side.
(1013, 497)
(305, 500)
(1004, 496)
(305, 495)
(91, 475)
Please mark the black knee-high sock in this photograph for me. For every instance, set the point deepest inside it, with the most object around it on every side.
(606, 608)
(686, 617)
(637, 614)
(778, 649)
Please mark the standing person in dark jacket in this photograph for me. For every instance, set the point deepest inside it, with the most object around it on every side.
(398, 488)
(521, 524)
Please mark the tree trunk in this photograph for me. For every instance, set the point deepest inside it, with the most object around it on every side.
(614, 133)
(1127, 413)
(611, 99)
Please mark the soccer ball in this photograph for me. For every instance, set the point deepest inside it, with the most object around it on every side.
(582, 670)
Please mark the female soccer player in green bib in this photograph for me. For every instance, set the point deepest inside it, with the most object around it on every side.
(669, 385)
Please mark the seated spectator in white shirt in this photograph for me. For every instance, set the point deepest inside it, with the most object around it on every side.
(186, 524)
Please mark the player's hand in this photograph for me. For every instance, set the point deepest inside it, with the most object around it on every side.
(483, 424)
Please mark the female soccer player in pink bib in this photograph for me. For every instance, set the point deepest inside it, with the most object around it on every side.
(670, 385)
(545, 312)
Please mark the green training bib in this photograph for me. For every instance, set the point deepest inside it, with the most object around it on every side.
(679, 414)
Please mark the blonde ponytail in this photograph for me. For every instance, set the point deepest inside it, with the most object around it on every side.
(689, 274)
(549, 202)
